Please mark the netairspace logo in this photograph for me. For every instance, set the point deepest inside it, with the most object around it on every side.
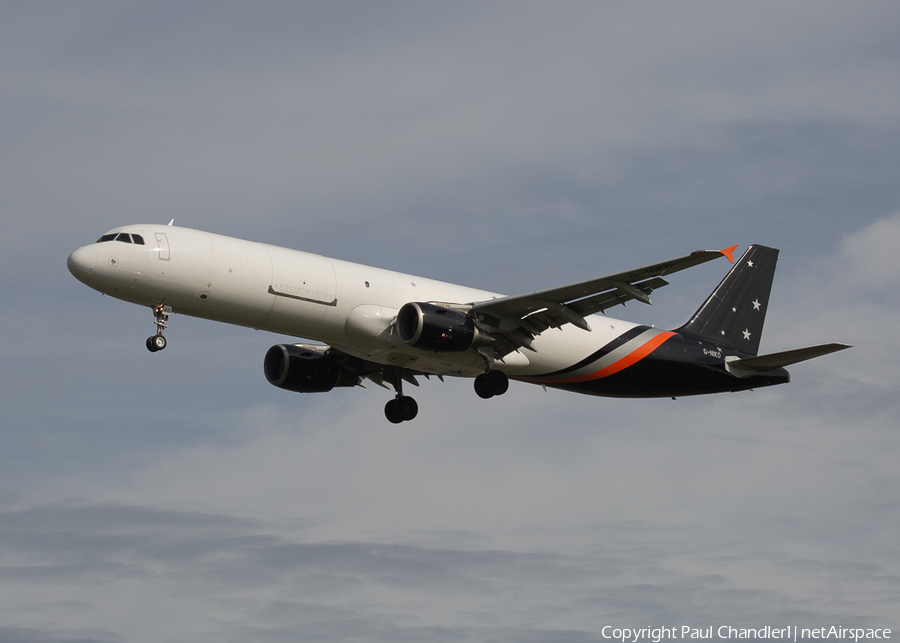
(789, 633)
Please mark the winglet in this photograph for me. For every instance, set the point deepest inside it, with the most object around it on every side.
(729, 253)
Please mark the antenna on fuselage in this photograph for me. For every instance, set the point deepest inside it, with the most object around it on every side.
(171, 223)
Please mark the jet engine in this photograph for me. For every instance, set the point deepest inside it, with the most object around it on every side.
(299, 368)
(435, 328)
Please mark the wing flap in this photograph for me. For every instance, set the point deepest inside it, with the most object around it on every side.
(600, 302)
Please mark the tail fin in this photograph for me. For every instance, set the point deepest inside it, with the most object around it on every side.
(735, 312)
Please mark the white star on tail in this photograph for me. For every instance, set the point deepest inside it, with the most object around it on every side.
(749, 263)
(756, 304)
(746, 334)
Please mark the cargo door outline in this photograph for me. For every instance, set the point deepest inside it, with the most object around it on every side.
(302, 277)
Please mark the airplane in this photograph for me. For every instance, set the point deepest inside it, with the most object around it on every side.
(389, 328)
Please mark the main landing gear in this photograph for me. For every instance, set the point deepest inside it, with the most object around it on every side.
(491, 383)
(402, 408)
(158, 342)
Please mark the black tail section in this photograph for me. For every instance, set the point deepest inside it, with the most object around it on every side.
(735, 312)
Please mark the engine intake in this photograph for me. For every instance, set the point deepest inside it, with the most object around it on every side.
(435, 328)
(297, 368)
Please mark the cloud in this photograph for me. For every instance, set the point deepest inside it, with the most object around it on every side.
(224, 578)
(37, 635)
(866, 259)
(181, 497)
(472, 118)
(529, 517)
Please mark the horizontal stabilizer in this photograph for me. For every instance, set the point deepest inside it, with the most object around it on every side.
(765, 363)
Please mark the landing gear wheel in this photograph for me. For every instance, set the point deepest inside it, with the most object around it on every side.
(498, 382)
(409, 409)
(156, 343)
(392, 412)
(401, 409)
(482, 388)
(492, 383)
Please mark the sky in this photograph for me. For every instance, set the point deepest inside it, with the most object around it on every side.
(508, 146)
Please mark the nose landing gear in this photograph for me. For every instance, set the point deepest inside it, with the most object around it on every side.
(158, 342)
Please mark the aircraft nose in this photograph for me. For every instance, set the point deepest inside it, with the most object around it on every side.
(82, 262)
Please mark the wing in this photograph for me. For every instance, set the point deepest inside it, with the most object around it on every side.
(516, 320)
(380, 374)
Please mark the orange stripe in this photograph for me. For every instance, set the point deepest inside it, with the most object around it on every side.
(632, 358)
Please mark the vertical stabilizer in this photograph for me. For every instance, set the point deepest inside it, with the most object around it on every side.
(735, 312)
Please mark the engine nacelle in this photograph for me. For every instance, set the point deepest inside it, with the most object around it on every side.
(435, 328)
(302, 370)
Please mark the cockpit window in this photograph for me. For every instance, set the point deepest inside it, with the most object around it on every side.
(124, 237)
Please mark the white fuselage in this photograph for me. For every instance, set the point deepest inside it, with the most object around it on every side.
(346, 305)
